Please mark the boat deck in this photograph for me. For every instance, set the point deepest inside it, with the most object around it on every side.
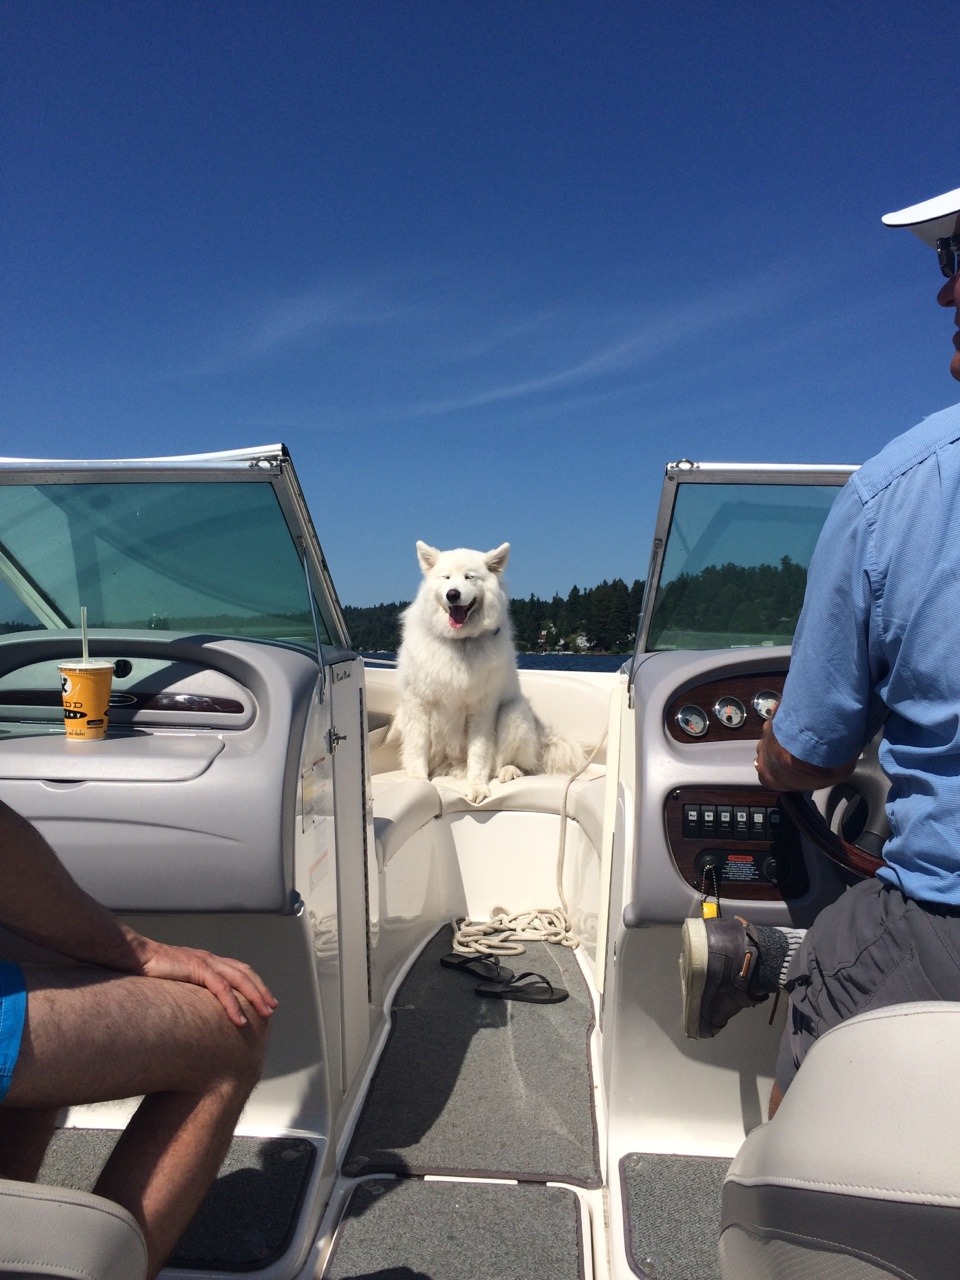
(478, 1086)
(478, 1152)
(484, 1112)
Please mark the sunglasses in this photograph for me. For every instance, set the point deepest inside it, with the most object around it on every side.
(948, 253)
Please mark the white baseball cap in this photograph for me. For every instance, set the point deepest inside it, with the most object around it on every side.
(932, 220)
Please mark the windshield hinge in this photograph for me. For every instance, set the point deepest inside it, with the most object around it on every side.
(266, 463)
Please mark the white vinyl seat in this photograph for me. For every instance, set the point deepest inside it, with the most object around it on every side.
(857, 1176)
(54, 1231)
(402, 805)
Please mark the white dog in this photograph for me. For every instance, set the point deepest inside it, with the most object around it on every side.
(461, 711)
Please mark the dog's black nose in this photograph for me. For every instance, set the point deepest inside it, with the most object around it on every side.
(453, 595)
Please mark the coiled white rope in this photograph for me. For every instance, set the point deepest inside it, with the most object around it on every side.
(504, 934)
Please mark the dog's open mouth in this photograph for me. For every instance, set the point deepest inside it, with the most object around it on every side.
(459, 614)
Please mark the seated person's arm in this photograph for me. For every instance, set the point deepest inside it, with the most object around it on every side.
(40, 901)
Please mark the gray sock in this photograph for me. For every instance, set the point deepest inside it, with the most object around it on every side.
(794, 937)
(776, 946)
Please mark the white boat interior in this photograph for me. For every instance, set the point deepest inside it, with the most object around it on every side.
(248, 798)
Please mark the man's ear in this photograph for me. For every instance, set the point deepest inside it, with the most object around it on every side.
(496, 561)
(427, 555)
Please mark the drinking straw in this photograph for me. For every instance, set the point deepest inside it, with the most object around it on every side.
(83, 631)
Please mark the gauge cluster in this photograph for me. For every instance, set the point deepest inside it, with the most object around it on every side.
(723, 710)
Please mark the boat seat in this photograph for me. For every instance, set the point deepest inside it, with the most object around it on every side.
(588, 806)
(533, 793)
(54, 1231)
(856, 1176)
(402, 805)
(570, 704)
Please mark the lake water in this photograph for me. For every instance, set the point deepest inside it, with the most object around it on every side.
(550, 661)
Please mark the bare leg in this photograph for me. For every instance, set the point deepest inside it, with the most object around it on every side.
(776, 1097)
(167, 1158)
(92, 1036)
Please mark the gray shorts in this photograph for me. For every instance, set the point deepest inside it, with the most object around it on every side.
(870, 948)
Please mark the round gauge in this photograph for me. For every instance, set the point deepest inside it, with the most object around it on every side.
(693, 721)
(765, 703)
(730, 712)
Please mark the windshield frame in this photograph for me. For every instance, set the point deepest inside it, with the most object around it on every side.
(269, 465)
(685, 472)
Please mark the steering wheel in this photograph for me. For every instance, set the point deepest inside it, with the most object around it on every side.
(847, 822)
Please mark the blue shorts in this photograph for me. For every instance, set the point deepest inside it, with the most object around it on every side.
(13, 1008)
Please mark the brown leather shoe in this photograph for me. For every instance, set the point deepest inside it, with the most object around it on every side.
(718, 959)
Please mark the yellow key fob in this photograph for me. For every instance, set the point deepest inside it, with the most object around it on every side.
(710, 910)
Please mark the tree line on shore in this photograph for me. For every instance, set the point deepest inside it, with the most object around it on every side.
(761, 600)
(599, 619)
(731, 602)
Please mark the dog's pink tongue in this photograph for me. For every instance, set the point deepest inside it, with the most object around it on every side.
(458, 616)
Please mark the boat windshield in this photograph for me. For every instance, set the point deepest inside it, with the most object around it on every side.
(211, 557)
(735, 564)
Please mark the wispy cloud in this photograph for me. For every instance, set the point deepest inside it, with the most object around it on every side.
(509, 333)
(264, 328)
(324, 310)
(639, 345)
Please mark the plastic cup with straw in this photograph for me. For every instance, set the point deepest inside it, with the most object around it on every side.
(86, 683)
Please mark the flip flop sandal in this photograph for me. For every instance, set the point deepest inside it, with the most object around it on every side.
(488, 968)
(539, 990)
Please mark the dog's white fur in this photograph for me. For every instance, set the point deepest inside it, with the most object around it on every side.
(461, 711)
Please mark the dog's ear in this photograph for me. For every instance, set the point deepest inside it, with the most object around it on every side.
(496, 561)
(427, 555)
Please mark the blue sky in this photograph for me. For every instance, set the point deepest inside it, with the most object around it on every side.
(485, 266)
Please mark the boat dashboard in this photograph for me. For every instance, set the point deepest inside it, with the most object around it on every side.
(704, 826)
(186, 805)
(732, 840)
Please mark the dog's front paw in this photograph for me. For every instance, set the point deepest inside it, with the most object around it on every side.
(476, 792)
(509, 773)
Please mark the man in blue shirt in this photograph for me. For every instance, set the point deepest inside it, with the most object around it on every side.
(877, 644)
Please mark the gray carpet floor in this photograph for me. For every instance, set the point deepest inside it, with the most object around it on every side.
(672, 1212)
(476, 1086)
(405, 1229)
(248, 1215)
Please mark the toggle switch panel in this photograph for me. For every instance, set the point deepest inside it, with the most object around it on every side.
(735, 841)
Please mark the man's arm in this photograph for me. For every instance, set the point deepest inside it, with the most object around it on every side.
(40, 901)
(779, 770)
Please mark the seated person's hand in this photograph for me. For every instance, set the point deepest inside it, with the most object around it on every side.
(223, 977)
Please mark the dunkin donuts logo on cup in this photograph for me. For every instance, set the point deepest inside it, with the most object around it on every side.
(85, 687)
